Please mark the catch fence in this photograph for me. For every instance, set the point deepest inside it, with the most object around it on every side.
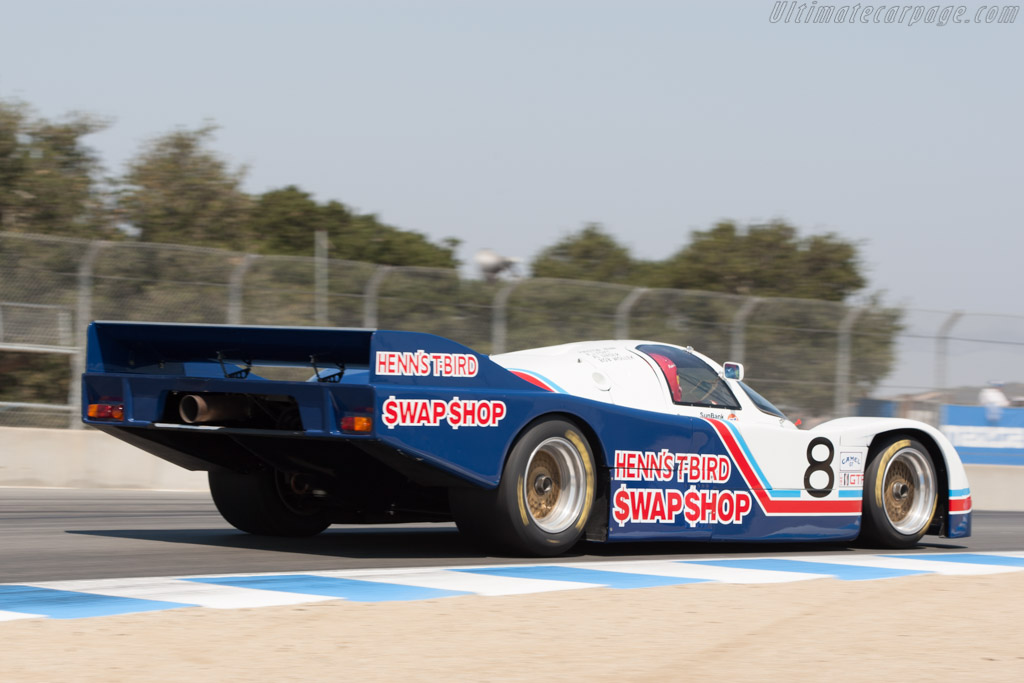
(815, 359)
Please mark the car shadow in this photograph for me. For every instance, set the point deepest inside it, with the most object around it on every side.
(442, 544)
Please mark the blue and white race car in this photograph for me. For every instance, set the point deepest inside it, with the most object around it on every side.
(529, 451)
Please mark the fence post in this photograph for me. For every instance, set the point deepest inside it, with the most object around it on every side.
(83, 316)
(235, 289)
(623, 310)
(739, 329)
(370, 296)
(942, 350)
(843, 362)
(320, 277)
(499, 320)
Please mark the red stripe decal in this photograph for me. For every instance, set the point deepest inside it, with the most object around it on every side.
(779, 507)
(531, 379)
(960, 505)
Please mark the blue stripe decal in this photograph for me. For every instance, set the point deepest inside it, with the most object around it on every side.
(973, 558)
(59, 604)
(750, 458)
(785, 493)
(347, 589)
(850, 494)
(845, 572)
(580, 575)
(953, 493)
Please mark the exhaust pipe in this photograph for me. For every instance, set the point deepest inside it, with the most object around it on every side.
(194, 408)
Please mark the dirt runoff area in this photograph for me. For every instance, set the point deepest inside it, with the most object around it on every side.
(912, 628)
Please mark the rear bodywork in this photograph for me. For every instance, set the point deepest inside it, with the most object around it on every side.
(436, 415)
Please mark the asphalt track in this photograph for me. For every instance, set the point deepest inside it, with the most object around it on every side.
(62, 534)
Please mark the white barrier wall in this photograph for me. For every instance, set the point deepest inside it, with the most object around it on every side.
(84, 458)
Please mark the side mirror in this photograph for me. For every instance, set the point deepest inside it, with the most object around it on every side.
(733, 371)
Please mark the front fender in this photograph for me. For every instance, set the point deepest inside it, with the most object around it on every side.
(861, 431)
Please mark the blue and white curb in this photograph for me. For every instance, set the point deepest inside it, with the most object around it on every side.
(105, 597)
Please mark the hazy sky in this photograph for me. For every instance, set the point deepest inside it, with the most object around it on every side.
(509, 124)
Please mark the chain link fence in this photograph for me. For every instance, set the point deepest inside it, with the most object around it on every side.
(815, 359)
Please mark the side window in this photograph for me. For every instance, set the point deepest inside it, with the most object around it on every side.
(691, 381)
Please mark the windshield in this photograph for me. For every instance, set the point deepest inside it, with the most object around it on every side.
(691, 381)
(763, 404)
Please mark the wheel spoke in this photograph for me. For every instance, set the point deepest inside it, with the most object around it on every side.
(553, 486)
(908, 487)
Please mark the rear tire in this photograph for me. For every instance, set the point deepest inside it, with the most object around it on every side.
(264, 503)
(900, 494)
(545, 496)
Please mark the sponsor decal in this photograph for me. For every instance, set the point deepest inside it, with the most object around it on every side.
(697, 506)
(851, 462)
(665, 505)
(713, 416)
(422, 364)
(667, 466)
(851, 479)
(423, 412)
(609, 354)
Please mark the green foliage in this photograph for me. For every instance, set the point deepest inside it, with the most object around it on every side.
(34, 377)
(49, 179)
(178, 191)
(590, 254)
(765, 260)
(367, 239)
(790, 344)
(285, 222)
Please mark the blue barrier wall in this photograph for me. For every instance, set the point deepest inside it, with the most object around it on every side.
(983, 436)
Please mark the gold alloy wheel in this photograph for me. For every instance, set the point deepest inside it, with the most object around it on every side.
(909, 491)
(555, 485)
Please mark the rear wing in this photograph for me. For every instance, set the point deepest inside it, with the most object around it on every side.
(191, 350)
(209, 350)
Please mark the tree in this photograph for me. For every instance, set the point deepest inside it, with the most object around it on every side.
(177, 190)
(766, 260)
(590, 254)
(791, 335)
(365, 238)
(284, 222)
(49, 179)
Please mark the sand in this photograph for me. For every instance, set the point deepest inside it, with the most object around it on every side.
(906, 629)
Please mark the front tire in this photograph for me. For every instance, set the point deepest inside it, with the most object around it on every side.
(545, 496)
(267, 503)
(900, 494)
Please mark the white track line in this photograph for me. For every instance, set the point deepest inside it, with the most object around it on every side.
(480, 584)
(11, 616)
(187, 592)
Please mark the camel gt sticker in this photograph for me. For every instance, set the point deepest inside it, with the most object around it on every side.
(422, 412)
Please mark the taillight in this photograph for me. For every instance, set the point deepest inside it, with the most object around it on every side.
(356, 424)
(106, 411)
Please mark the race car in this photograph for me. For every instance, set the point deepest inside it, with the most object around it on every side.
(528, 452)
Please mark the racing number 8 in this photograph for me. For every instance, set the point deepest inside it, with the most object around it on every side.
(820, 466)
